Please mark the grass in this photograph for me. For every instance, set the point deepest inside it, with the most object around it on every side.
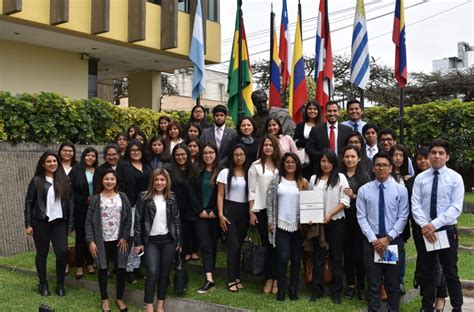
(469, 197)
(18, 293)
(466, 220)
(466, 240)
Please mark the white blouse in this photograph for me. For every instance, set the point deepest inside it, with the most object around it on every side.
(54, 209)
(160, 226)
(332, 195)
(237, 192)
(258, 184)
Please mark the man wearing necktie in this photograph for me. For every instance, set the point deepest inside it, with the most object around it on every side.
(437, 200)
(355, 112)
(382, 213)
(370, 133)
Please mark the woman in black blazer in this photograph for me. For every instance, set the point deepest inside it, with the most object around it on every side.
(81, 177)
(112, 161)
(49, 218)
(158, 234)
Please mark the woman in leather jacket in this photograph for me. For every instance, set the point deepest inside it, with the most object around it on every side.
(157, 233)
(49, 217)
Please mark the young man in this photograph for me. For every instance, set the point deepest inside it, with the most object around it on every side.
(437, 200)
(370, 133)
(219, 134)
(382, 213)
(388, 138)
(355, 112)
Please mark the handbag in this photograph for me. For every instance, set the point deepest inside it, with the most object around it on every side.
(181, 277)
(253, 254)
(327, 273)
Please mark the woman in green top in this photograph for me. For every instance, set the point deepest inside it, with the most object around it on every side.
(207, 227)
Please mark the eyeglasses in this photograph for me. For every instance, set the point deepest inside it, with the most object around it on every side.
(111, 155)
(382, 166)
(386, 140)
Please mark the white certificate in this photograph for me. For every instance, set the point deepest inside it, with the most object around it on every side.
(311, 207)
(390, 255)
(442, 241)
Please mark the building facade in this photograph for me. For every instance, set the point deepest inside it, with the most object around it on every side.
(464, 59)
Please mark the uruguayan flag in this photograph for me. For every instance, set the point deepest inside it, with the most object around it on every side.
(196, 53)
(360, 64)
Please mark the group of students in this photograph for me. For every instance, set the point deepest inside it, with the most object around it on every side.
(176, 193)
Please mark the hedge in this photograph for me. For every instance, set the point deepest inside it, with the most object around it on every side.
(52, 118)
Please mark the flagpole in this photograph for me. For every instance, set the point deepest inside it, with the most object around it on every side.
(402, 122)
(240, 106)
(362, 96)
(272, 18)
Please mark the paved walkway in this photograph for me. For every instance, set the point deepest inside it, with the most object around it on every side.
(468, 304)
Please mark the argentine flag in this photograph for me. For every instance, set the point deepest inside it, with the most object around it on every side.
(360, 63)
(196, 53)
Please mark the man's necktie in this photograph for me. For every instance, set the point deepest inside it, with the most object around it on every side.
(356, 127)
(332, 139)
(218, 138)
(434, 196)
(382, 230)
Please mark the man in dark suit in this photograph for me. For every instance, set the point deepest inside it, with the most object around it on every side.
(219, 134)
(330, 134)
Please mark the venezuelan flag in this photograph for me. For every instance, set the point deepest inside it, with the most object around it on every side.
(233, 74)
(275, 96)
(400, 48)
(298, 93)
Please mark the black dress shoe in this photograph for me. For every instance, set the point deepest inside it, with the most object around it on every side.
(131, 278)
(60, 290)
(206, 287)
(280, 296)
(336, 299)
(138, 274)
(292, 294)
(350, 292)
(315, 297)
(361, 295)
(43, 289)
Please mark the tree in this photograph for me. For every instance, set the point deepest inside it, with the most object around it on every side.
(120, 89)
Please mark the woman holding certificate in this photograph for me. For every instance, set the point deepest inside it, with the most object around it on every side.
(332, 184)
(283, 210)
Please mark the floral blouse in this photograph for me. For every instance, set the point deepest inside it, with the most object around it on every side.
(110, 212)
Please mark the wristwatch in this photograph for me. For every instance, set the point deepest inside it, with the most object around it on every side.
(390, 238)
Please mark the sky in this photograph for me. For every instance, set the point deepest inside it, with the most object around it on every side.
(433, 28)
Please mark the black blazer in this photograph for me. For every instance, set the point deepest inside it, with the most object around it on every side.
(299, 138)
(145, 214)
(80, 189)
(229, 135)
(212, 201)
(99, 171)
(318, 141)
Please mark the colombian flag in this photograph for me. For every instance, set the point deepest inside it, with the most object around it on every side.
(233, 74)
(298, 93)
(399, 39)
(275, 96)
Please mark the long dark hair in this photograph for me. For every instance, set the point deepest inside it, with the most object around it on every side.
(276, 156)
(404, 167)
(86, 151)
(333, 179)
(150, 144)
(359, 172)
(195, 125)
(136, 128)
(231, 165)
(163, 117)
(422, 151)
(186, 174)
(275, 119)
(71, 145)
(363, 152)
(239, 131)
(129, 148)
(215, 164)
(298, 172)
(191, 117)
(318, 107)
(100, 187)
(60, 179)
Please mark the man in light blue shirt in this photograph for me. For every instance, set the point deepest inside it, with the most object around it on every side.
(355, 112)
(437, 199)
(382, 213)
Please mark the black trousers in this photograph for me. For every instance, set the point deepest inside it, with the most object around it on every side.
(388, 274)
(334, 232)
(55, 232)
(190, 237)
(288, 247)
(83, 255)
(208, 234)
(448, 258)
(441, 288)
(111, 254)
(159, 254)
(271, 259)
(353, 256)
(238, 216)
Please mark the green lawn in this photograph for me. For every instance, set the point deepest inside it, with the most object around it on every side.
(469, 197)
(466, 220)
(466, 240)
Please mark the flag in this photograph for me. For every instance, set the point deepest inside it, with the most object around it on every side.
(324, 71)
(360, 63)
(196, 53)
(399, 40)
(285, 48)
(298, 93)
(233, 74)
(275, 96)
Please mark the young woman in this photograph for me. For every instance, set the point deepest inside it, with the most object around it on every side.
(207, 226)
(132, 131)
(399, 155)
(332, 184)
(163, 122)
(283, 198)
(356, 139)
(198, 116)
(158, 235)
(173, 136)
(353, 265)
(108, 225)
(156, 148)
(67, 156)
(122, 141)
(137, 175)
(112, 161)
(183, 179)
(141, 137)
(81, 177)
(195, 150)
(49, 218)
(232, 207)
(260, 174)
(193, 132)
(245, 130)
(287, 144)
